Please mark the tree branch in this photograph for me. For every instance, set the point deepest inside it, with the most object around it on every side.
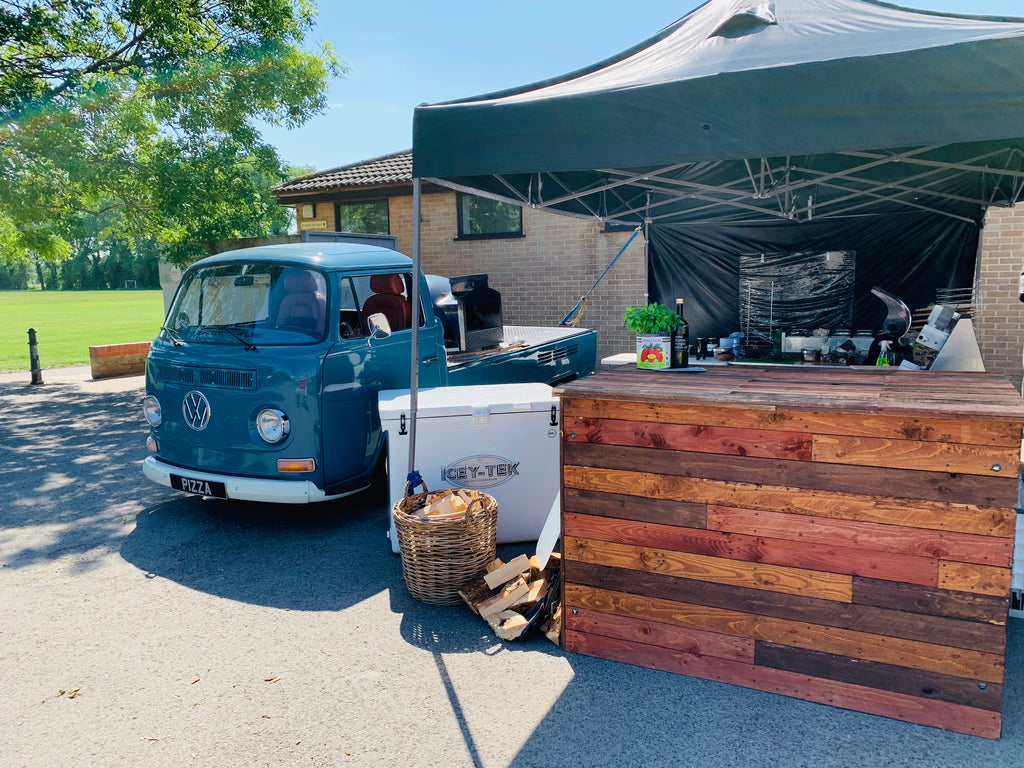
(114, 62)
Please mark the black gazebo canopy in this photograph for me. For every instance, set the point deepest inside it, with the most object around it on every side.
(773, 128)
(794, 110)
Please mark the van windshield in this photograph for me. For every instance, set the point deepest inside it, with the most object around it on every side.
(250, 304)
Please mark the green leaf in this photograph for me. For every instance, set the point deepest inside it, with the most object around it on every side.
(650, 318)
(136, 120)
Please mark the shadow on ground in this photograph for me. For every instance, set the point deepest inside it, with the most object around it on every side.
(70, 473)
(71, 481)
(298, 557)
(320, 557)
(617, 714)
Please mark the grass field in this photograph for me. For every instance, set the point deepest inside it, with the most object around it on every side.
(67, 323)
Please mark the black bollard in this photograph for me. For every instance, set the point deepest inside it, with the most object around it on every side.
(33, 357)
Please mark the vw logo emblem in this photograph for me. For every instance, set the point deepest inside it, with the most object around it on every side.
(196, 410)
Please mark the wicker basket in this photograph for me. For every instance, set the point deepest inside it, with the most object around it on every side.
(440, 558)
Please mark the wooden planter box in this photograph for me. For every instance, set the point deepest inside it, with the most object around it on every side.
(843, 536)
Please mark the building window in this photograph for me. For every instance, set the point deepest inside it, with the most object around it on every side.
(369, 218)
(615, 226)
(481, 218)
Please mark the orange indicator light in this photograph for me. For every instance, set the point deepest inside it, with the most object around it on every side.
(296, 465)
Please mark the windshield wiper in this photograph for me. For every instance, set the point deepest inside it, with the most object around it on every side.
(178, 341)
(228, 329)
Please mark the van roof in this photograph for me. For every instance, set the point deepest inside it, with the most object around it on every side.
(323, 256)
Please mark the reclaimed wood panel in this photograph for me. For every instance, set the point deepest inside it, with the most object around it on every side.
(880, 620)
(886, 677)
(967, 577)
(977, 396)
(965, 518)
(770, 444)
(934, 602)
(817, 556)
(997, 461)
(913, 654)
(940, 714)
(688, 514)
(971, 432)
(898, 483)
(871, 572)
(694, 641)
(775, 578)
(941, 545)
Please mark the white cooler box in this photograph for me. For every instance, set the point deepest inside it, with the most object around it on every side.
(501, 439)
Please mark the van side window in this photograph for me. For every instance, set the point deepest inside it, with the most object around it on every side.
(350, 320)
(387, 294)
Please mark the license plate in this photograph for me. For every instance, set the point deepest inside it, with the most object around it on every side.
(201, 487)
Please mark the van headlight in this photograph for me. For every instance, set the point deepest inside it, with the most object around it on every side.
(272, 425)
(151, 411)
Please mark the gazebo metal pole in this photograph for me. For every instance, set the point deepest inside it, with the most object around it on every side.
(647, 247)
(414, 375)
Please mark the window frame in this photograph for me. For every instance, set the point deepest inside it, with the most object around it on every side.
(359, 283)
(460, 226)
(338, 205)
(254, 330)
(609, 227)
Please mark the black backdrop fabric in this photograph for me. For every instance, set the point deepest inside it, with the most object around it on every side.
(909, 255)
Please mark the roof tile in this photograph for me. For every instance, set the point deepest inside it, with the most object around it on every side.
(387, 169)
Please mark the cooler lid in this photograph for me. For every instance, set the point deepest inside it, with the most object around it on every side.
(437, 402)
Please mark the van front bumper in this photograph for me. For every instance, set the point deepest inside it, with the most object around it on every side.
(245, 488)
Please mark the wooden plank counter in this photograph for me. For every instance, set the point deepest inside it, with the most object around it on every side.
(841, 536)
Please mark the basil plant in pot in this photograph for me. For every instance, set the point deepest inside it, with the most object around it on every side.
(653, 325)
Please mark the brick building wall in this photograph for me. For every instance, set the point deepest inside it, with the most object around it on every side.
(315, 216)
(542, 275)
(999, 315)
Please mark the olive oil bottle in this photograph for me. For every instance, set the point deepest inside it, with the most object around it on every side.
(680, 340)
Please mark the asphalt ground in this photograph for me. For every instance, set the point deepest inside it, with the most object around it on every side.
(141, 627)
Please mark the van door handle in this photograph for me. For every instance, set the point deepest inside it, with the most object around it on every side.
(429, 360)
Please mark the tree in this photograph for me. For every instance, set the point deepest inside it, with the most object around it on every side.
(75, 273)
(14, 275)
(137, 116)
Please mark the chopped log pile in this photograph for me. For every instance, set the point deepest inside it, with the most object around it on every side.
(443, 506)
(514, 597)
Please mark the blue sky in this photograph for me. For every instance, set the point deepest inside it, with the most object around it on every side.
(403, 53)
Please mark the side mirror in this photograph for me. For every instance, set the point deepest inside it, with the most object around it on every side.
(380, 328)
